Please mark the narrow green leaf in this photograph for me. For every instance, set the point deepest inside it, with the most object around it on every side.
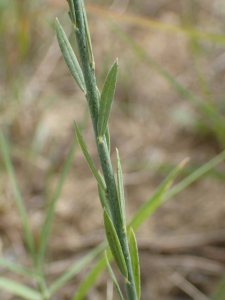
(45, 232)
(113, 278)
(135, 262)
(69, 56)
(101, 264)
(18, 198)
(88, 34)
(17, 269)
(72, 12)
(156, 200)
(88, 157)
(75, 269)
(114, 244)
(120, 189)
(103, 200)
(19, 290)
(106, 99)
(107, 137)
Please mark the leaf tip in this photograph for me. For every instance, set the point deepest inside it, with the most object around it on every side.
(184, 162)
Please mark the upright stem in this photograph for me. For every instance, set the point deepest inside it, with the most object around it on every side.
(93, 102)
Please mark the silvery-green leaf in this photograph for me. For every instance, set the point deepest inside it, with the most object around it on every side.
(104, 201)
(69, 56)
(87, 33)
(135, 262)
(113, 278)
(107, 137)
(106, 99)
(114, 244)
(120, 189)
(72, 12)
(88, 157)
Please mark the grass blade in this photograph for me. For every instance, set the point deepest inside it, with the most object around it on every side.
(51, 211)
(19, 290)
(206, 109)
(17, 269)
(156, 200)
(135, 262)
(107, 137)
(113, 278)
(120, 189)
(106, 99)
(69, 56)
(114, 244)
(72, 12)
(17, 195)
(88, 157)
(103, 200)
(75, 269)
(88, 34)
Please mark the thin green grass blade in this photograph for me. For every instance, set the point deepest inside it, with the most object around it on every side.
(88, 36)
(69, 56)
(101, 264)
(88, 157)
(106, 99)
(17, 269)
(218, 124)
(120, 189)
(219, 293)
(18, 198)
(135, 262)
(156, 200)
(113, 278)
(75, 269)
(51, 211)
(114, 244)
(107, 137)
(19, 290)
(103, 200)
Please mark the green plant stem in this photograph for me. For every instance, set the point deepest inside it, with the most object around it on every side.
(93, 102)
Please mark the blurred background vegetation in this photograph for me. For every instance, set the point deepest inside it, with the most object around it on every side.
(169, 104)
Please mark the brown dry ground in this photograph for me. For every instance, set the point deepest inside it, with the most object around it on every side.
(185, 238)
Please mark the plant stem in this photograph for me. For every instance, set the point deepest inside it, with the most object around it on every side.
(93, 102)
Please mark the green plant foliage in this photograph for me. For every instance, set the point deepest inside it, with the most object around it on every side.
(121, 189)
(114, 244)
(135, 262)
(113, 278)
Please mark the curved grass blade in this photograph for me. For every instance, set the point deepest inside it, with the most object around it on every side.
(113, 278)
(101, 264)
(18, 198)
(121, 189)
(88, 34)
(114, 244)
(17, 269)
(88, 157)
(103, 200)
(75, 269)
(19, 290)
(135, 262)
(106, 99)
(69, 56)
(50, 214)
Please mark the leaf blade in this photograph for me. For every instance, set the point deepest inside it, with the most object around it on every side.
(114, 244)
(19, 290)
(106, 99)
(69, 56)
(135, 262)
(113, 278)
(120, 189)
(88, 157)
